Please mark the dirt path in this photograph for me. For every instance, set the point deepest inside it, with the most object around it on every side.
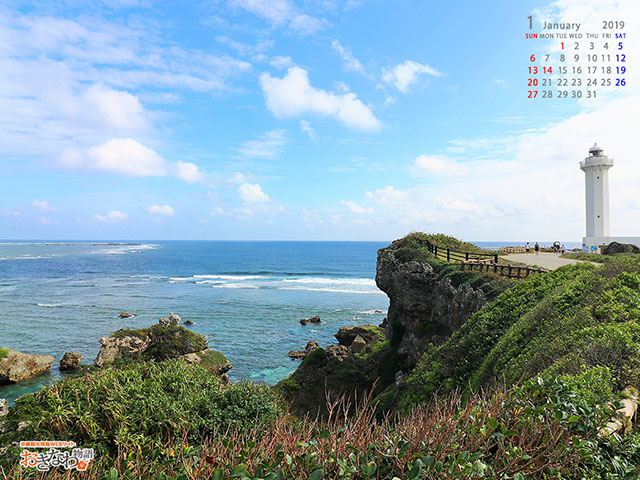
(544, 260)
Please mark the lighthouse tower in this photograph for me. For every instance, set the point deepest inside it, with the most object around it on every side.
(595, 168)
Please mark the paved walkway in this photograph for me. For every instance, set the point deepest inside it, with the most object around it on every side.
(544, 260)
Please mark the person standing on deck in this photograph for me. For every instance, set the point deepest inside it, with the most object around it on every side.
(536, 247)
(527, 248)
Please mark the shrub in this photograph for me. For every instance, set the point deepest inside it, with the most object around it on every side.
(546, 325)
(139, 404)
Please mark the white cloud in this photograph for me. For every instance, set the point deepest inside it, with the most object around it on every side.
(351, 63)
(357, 209)
(282, 13)
(166, 210)
(388, 196)
(117, 109)
(281, 62)
(45, 221)
(126, 156)
(114, 216)
(278, 12)
(403, 75)
(293, 95)
(84, 80)
(437, 166)
(43, 206)
(252, 193)
(305, 127)
(268, 145)
(221, 211)
(306, 24)
(237, 178)
(189, 172)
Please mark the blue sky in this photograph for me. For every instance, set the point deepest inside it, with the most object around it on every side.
(309, 120)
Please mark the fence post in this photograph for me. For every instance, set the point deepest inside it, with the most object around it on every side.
(435, 253)
(466, 256)
(495, 258)
(448, 255)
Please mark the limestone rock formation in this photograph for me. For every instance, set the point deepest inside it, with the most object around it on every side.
(167, 339)
(17, 366)
(422, 306)
(4, 407)
(307, 321)
(70, 361)
(173, 319)
(299, 354)
(368, 333)
(358, 344)
(120, 347)
(125, 315)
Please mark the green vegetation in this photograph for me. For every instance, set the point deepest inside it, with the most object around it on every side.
(413, 248)
(323, 371)
(564, 322)
(165, 341)
(589, 257)
(598, 258)
(138, 405)
(4, 353)
(541, 430)
(442, 241)
(521, 391)
(213, 360)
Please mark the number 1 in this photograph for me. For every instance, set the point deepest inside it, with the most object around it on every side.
(530, 22)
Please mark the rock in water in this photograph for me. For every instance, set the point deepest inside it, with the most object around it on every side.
(299, 355)
(188, 323)
(158, 342)
(368, 333)
(70, 361)
(296, 354)
(173, 319)
(126, 346)
(4, 407)
(358, 344)
(17, 366)
(307, 321)
(125, 315)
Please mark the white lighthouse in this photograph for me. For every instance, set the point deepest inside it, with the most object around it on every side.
(596, 171)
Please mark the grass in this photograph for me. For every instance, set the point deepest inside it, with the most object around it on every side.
(563, 322)
(540, 430)
(138, 405)
(4, 353)
(598, 258)
(213, 360)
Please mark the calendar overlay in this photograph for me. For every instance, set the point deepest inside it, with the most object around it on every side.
(578, 63)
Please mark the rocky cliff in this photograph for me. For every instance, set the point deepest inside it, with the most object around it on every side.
(424, 306)
(429, 300)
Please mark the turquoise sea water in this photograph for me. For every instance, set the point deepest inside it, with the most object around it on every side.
(246, 297)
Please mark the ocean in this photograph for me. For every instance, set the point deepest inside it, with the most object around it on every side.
(247, 298)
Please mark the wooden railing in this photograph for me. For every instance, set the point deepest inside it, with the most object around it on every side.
(511, 271)
(456, 256)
